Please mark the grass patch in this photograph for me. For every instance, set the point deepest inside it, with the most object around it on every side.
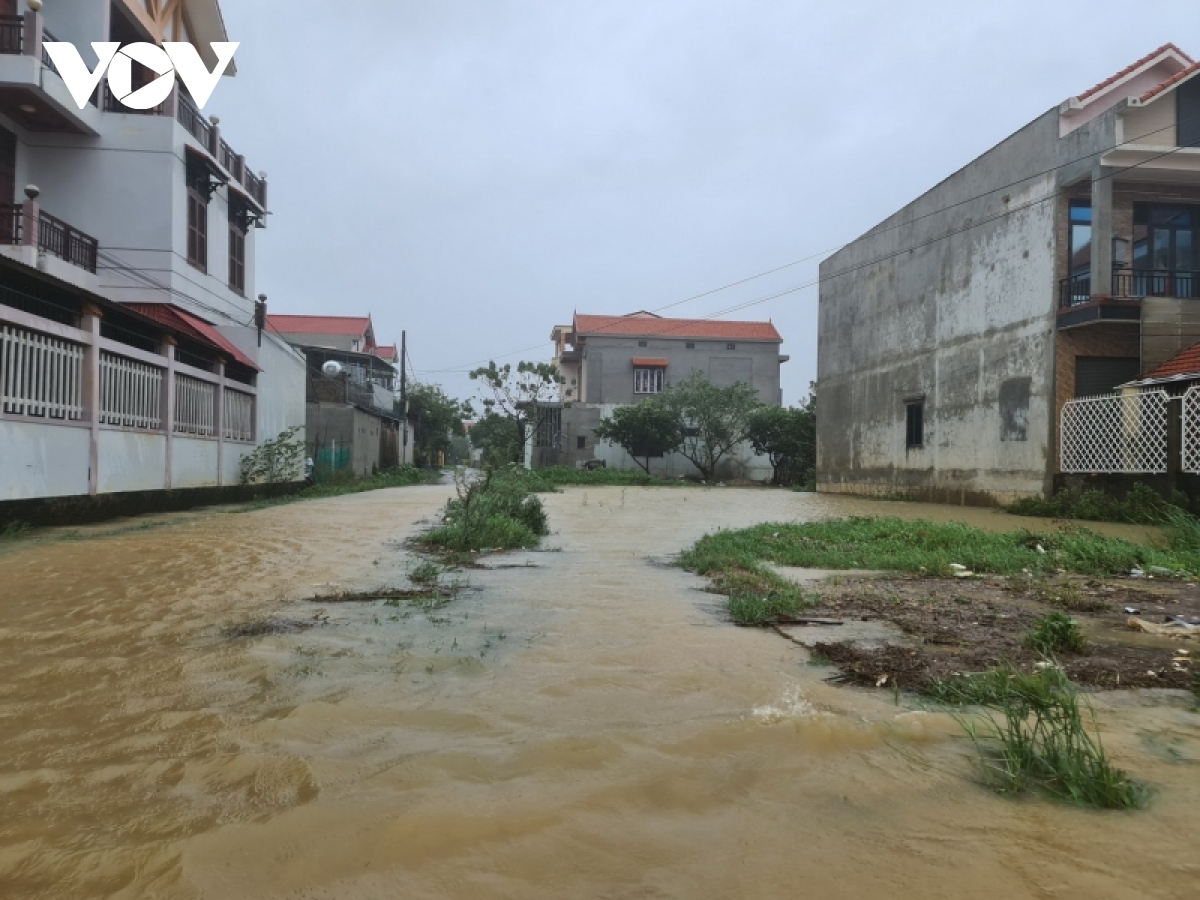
(1056, 633)
(1068, 595)
(404, 476)
(1033, 738)
(497, 511)
(931, 548)
(1140, 506)
(14, 531)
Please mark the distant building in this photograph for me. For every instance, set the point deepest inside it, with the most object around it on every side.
(130, 359)
(354, 422)
(959, 338)
(611, 361)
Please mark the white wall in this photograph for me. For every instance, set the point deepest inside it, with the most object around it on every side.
(130, 461)
(42, 460)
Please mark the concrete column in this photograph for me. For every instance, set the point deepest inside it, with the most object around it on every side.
(1102, 232)
(220, 420)
(31, 222)
(167, 405)
(91, 392)
(32, 39)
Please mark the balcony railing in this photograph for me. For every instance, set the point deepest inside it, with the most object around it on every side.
(197, 126)
(46, 60)
(1131, 284)
(59, 239)
(12, 35)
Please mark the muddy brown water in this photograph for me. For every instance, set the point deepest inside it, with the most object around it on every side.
(583, 727)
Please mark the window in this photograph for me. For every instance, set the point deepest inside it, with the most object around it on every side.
(648, 381)
(691, 345)
(914, 423)
(237, 248)
(197, 215)
(1080, 262)
(1187, 113)
(581, 443)
(1095, 375)
(731, 346)
(642, 343)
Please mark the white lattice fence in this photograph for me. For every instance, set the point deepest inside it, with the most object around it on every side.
(195, 406)
(1191, 430)
(1115, 433)
(130, 392)
(239, 416)
(40, 375)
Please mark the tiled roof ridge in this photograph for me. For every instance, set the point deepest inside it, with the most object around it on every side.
(1171, 82)
(628, 326)
(1095, 89)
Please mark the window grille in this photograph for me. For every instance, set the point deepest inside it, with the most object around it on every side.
(40, 375)
(648, 381)
(1124, 433)
(914, 424)
(195, 406)
(130, 392)
(1191, 430)
(239, 416)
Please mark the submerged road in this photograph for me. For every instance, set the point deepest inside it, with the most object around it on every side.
(178, 719)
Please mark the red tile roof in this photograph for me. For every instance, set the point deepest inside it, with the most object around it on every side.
(355, 326)
(1186, 363)
(1133, 67)
(1171, 82)
(654, 326)
(194, 327)
(654, 362)
(387, 352)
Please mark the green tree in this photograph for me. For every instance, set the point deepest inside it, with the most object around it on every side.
(519, 395)
(714, 419)
(436, 420)
(494, 436)
(644, 429)
(787, 436)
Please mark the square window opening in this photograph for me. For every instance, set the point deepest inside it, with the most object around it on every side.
(691, 345)
(643, 344)
(731, 346)
(648, 381)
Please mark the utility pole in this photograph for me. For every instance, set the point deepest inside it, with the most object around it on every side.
(403, 393)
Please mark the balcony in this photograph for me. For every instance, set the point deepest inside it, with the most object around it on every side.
(208, 135)
(31, 91)
(1079, 305)
(25, 225)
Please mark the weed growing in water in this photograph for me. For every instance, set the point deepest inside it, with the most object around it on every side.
(497, 511)
(1056, 633)
(1039, 740)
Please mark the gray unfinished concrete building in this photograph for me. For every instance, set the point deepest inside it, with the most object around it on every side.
(1059, 264)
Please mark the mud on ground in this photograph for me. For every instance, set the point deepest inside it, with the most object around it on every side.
(945, 627)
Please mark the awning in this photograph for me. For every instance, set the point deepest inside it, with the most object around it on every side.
(193, 327)
(649, 362)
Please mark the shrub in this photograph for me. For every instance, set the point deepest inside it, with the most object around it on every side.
(1141, 506)
(276, 460)
(497, 511)
(1056, 633)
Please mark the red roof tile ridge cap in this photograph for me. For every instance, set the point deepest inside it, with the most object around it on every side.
(1107, 82)
(1170, 82)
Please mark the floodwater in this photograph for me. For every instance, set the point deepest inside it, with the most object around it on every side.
(579, 726)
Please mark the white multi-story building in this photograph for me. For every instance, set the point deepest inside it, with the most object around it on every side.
(131, 356)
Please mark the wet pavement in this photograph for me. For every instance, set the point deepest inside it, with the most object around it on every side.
(582, 725)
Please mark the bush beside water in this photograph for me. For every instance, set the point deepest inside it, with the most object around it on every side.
(496, 511)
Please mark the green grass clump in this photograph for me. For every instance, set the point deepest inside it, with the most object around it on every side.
(931, 547)
(497, 511)
(1056, 633)
(1140, 506)
(552, 476)
(14, 530)
(757, 596)
(1033, 737)
(974, 689)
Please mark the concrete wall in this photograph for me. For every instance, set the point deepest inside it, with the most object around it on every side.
(964, 320)
(42, 460)
(194, 462)
(131, 461)
(608, 366)
(341, 425)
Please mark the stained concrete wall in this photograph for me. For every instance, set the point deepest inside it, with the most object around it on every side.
(341, 425)
(608, 366)
(952, 300)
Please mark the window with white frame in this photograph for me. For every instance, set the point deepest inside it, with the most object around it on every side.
(648, 381)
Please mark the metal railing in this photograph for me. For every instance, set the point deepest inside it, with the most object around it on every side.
(59, 239)
(10, 223)
(238, 421)
(40, 375)
(195, 406)
(110, 103)
(255, 186)
(195, 123)
(228, 159)
(46, 60)
(1132, 284)
(12, 34)
(130, 392)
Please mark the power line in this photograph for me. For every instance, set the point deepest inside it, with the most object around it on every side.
(875, 261)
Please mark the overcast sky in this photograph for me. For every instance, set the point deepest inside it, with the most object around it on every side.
(474, 171)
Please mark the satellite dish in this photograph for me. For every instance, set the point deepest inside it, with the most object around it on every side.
(332, 368)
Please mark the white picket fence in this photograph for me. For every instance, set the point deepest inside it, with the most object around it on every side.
(238, 416)
(130, 392)
(1124, 433)
(40, 375)
(195, 406)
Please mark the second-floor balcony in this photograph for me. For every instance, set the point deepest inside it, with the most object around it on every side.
(32, 93)
(26, 225)
(1079, 302)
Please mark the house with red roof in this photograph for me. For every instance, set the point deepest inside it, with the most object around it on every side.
(959, 338)
(616, 360)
